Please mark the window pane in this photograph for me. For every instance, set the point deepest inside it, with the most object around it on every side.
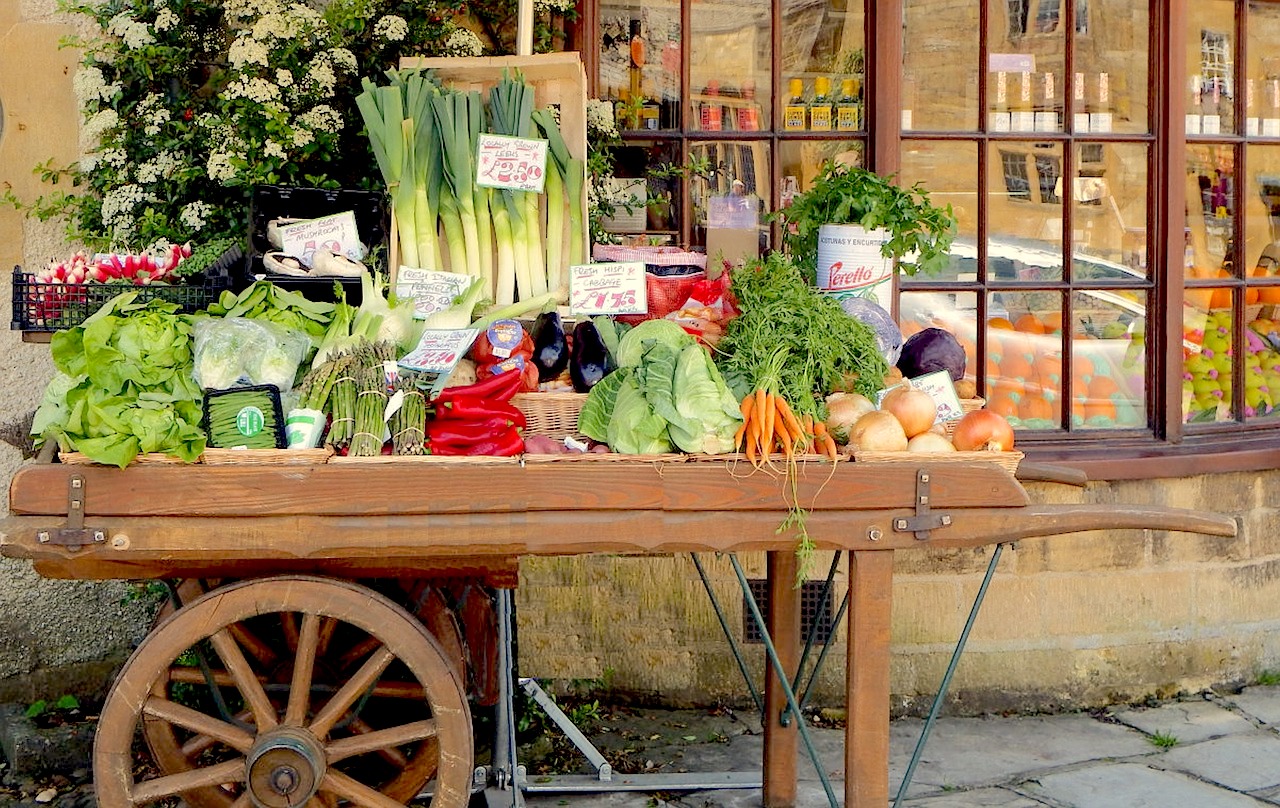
(823, 50)
(801, 160)
(1112, 67)
(730, 59)
(1109, 241)
(940, 72)
(1108, 359)
(1025, 84)
(1261, 204)
(1024, 358)
(1210, 67)
(640, 62)
(646, 191)
(1211, 204)
(1024, 211)
(1207, 374)
(1262, 74)
(729, 190)
(949, 171)
(952, 311)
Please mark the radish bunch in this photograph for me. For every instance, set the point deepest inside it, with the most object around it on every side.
(106, 267)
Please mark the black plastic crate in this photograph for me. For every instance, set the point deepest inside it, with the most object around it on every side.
(277, 201)
(266, 397)
(43, 307)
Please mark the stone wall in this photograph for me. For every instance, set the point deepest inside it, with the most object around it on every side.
(1072, 621)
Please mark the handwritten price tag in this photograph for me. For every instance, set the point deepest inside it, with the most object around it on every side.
(431, 291)
(941, 389)
(336, 233)
(611, 288)
(439, 351)
(511, 162)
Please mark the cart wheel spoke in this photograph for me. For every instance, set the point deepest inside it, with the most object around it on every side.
(327, 626)
(351, 789)
(200, 743)
(246, 680)
(358, 652)
(243, 801)
(232, 771)
(355, 687)
(289, 625)
(197, 721)
(303, 667)
(257, 648)
(371, 740)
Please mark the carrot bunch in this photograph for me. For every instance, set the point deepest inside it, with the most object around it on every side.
(770, 426)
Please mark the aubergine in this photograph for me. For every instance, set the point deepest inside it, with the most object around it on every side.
(550, 346)
(589, 360)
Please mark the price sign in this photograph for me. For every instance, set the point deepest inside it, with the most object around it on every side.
(431, 291)
(511, 162)
(439, 351)
(941, 389)
(608, 288)
(336, 233)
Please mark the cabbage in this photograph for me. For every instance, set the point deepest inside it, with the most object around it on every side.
(930, 350)
(634, 343)
(881, 322)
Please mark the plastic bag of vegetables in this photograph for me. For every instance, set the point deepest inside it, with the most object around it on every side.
(238, 351)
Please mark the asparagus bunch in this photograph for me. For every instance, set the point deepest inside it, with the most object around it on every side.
(409, 423)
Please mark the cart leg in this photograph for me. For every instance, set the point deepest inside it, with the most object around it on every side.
(866, 735)
(781, 740)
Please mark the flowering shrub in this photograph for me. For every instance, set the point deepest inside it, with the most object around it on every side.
(188, 104)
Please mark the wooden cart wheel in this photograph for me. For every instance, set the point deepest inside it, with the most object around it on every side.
(273, 745)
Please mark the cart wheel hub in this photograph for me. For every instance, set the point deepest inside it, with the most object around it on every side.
(285, 767)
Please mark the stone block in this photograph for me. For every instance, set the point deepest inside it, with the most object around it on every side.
(1173, 549)
(33, 750)
(948, 561)
(1261, 528)
(1083, 552)
(1085, 606)
(1241, 593)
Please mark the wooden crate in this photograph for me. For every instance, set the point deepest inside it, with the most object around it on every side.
(557, 79)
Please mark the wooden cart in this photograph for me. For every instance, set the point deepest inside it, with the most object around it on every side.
(329, 670)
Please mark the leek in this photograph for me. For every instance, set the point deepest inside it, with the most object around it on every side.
(510, 108)
(566, 176)
(457, 207)
(383, 111)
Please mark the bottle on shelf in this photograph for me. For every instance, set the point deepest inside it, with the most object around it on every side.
(999, 119)
(1252, 123)
(795, 113)
(848, 110)
(820, 109)
(711, 113)
(1023, 117)
(1271, 120)
(1211, 117)
(748, 113)
(1100, 113)
(1080, 110)
(1047, 103)
(637, 58)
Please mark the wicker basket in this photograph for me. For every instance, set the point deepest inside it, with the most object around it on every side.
(442, 460)
(151, 459)
(266, 457)
(1006, 460)
(554, 415)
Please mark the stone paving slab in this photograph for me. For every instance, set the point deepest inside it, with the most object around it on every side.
(979, 798)
(1188, 721)
(1263, 703)
(1132, 785)
(1246, 762)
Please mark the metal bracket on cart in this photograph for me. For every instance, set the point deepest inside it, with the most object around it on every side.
(75, 535)
(925, 519)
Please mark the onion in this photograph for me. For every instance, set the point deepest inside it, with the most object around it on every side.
(914, 408)
(843, 411)
(983, 430)
(878, 431)
(930, 442)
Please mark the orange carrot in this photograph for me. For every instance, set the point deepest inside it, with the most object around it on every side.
(829, 446)
(789, 418)
(766, 406)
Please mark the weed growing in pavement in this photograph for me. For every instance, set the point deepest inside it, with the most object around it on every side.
(1164, 740)
(1268, 678)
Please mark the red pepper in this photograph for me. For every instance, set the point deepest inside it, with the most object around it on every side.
(501, 388)
(506, 444)
(466, 432)
(468, 408)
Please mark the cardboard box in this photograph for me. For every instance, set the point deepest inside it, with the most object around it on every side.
(558, 79)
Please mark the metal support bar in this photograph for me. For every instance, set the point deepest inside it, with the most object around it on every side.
(728, 635)
(783, 680)
(826, 648)
(946, 677)
(812, 635)
(504, 743)
(604, 772)
(691, 781)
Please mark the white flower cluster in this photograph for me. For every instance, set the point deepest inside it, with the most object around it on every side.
(195, 214)
(165, 20)
(392, 28)
(220, 168)
(321, 78)
(118, 207)
(90, 85)
(249, 9)
(559, 6)
(284, 78)
(246, 50)
(343, 59)
(254, 89)
(152, 113)
(463, 42)
(322, 118)
(160, 167)
(134, 33)
(98, 124)
(601, 123)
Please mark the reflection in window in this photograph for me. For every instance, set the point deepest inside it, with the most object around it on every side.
(1016, 182)
(1018, 17)
(1049, 170)
(1047, 16)
(1042, 17)
(1215, 65)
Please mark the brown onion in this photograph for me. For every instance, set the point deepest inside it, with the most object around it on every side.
(915, 409)
(930, 442)
(878, 431)
(983, 430)
(843, 411)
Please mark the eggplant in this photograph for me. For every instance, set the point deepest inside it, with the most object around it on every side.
(550, 346)
(589, 360)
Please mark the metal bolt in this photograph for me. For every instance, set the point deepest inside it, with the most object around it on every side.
(946, 520)
(43, 536)
(900, 524)
(99, 535)
(120, 541)
(924, 478)
(76, 482)
(875, 533)
(284, 780)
